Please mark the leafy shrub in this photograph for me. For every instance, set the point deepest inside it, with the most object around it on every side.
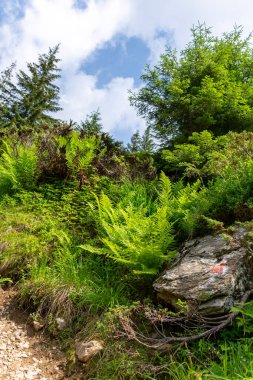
(227, 196)
(205, 156)
(230, 196)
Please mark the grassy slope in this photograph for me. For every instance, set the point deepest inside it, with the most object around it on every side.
(41, 232)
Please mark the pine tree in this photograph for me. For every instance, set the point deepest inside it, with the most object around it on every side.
(142, 143)
(33, 95)
(135, 144)
(92, 125)
(147, 143)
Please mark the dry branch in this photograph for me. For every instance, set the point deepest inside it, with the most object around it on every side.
(212, 325)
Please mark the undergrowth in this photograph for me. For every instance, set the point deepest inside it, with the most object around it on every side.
(86, 247)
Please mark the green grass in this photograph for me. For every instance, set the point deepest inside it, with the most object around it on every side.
(236, 362)
(38, 249)
(40, 237)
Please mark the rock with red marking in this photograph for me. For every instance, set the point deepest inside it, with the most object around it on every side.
(211, 273)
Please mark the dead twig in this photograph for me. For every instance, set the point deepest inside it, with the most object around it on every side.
(212, 326)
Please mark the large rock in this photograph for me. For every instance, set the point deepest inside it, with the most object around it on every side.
(211, 273)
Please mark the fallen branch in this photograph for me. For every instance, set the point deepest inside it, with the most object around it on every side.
(212, 324)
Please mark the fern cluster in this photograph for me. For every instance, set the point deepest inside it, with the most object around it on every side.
(18, 167)
(133, 236)
(79, 151)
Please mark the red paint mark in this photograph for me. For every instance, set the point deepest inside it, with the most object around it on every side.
(219, 268)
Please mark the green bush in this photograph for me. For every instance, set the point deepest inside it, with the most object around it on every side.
(205, 156)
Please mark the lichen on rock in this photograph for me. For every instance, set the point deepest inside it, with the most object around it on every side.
(211, 273)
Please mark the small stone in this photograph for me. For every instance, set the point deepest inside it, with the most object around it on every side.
(24, 345)
(38, 325)
(60, 323)
(22, 355)
(30, 375)
(86, 350)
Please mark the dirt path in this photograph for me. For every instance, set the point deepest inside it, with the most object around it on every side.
(25, 354)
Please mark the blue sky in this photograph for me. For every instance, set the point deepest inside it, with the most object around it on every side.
(120, 57)
(105, 45)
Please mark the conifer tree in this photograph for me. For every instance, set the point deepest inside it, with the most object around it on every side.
(33, 96)
(135, 143)
(208, 86)
(142, 143)
(92, 125)
(147, 142)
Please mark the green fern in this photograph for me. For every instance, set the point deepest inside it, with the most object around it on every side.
(80, 152)
(18, 167)
(132, 236)
(165, 188)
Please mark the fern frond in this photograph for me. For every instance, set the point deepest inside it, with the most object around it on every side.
(18, 167)
(132, 236)
(165, 192)
(92, 249)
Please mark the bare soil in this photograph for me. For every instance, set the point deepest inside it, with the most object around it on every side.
(24, 353)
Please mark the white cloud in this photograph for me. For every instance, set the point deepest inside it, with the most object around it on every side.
(81, 31)
(178, 16)
(81, 97)
(49, 22)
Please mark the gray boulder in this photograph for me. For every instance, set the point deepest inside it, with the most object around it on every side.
(211, 273)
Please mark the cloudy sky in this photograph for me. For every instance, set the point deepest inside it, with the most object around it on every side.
(105, 45)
